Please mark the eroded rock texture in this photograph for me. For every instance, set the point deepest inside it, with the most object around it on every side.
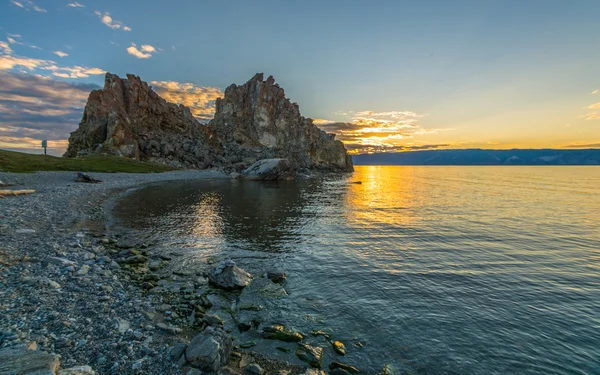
(253, 121)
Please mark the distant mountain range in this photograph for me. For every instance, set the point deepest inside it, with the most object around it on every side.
(483, 157)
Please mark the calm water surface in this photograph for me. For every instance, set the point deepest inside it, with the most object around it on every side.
(438, 270)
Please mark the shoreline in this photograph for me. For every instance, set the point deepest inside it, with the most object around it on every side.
(64, 293)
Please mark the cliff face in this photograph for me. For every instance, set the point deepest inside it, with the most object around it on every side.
(253, 121)
(127, 118)
(257, 116)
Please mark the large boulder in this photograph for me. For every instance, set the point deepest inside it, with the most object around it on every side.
(18, 360)
(229, 276)
(270, 170)
(209, 350)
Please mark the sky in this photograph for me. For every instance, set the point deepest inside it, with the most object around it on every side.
(382, 75)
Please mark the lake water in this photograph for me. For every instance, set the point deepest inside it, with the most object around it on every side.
(436, 270)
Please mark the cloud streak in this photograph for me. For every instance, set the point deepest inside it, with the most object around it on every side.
(369, 131)
(33, 107)
(10, 62)
(28, 5)
(200, 100)
(106, 19)
(75, 5)
(60, 53)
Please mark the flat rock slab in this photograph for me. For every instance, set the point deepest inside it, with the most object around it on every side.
(18, 360)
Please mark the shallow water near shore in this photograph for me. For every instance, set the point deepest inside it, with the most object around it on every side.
(436, 270)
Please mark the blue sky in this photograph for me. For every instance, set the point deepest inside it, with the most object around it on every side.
(392, 75)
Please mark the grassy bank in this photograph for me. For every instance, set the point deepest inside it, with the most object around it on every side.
(18, 162)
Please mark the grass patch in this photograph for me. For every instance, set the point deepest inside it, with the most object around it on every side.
(18, 162)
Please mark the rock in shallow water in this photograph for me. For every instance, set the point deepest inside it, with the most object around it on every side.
(270, 170)
(229, 278)
(343, 366)
(209, 350)
(313, 355)
(279, 332)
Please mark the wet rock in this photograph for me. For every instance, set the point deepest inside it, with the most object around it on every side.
(254, 369)
(209, 350)
(244, 326)
(229, 277)
(177, 351)
(18, 360)
(325, 333)
(313, 355)
(339, 347)
(338, 371)
(387, 370)
(247, 345)
(345, 367)
(277, 277)
(79, 370)
(313, 371)
(134, 259)
(213, 320)
(281, 333)
(270, 170)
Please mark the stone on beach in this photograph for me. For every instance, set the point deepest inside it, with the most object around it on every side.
(209, 350)
(18, 360)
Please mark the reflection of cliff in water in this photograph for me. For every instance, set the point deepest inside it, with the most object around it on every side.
(232, 213)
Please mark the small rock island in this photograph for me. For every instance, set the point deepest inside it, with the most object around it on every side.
(252, 122)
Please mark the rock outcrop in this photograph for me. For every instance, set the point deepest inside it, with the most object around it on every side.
(253, 121)
(127, 118)
(256, 121)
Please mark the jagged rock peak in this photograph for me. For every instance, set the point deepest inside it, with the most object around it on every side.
(258, 115)
(128, 118)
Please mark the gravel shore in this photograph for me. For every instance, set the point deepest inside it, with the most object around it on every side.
(60, 292)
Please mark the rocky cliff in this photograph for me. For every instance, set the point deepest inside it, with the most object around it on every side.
(127, 118)
(257, 118)
(253, 121)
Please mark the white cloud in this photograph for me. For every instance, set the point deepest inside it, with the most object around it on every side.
(13, 41)
(145, 52)
(595, 92)
(8, 62)
(5, 48)
(148, 48)
(75, 5)
(28, 5)
(106, 19)
(200, 100)
(60, 53)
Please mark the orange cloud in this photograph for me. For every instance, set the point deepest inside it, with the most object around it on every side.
(201, 100)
